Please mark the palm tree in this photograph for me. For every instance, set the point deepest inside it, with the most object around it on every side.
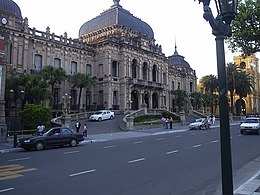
(81, 81)
(181, 98)
(244, 85)
(36, 89)
(53, 76)
(232, 72)
(210, 83)
(196, 99)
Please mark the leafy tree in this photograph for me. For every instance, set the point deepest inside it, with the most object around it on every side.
(210, 83)
(32, 115)
(232, 74)
(246, 28)
(81, 81)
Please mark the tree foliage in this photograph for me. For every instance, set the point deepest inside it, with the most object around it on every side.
(246, 28)
(32, 115)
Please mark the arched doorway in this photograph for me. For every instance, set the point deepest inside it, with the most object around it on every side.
(134, 99)
(240, 107)
(155, 100)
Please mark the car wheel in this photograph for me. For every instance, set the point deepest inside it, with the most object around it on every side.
(111, 117)
(73, 142)
(200, 127)
(99, 119)
(39, 145)
(258, 132)
(242, 132)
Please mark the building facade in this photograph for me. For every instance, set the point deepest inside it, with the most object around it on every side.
(116, 48)
(250, 104)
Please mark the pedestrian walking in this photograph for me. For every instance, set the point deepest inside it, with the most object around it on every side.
(85, 131)
(171, 121)
(166, 123)
(163, 122)
(77, 125)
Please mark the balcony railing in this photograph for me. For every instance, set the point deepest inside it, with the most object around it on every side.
(140, 82)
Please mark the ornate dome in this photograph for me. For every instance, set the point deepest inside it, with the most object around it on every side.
(178, 60)
(116, 15)
(10, 7)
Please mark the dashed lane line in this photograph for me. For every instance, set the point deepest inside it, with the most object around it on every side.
(83, 172)
(72, 152)
(196, 146)
(6, 190)
(136, 160)
(173, 151)
(111, 146)
(138, 142)
(160, 139)
(19, 159)
(215, 141)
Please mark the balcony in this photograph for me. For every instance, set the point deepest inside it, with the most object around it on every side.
(143, 83)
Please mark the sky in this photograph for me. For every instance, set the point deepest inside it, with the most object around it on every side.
(177, 22)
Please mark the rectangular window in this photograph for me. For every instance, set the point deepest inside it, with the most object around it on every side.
(100, 98)
(73, 67)
(38, 62)
(100, 70)
(57, 63)
(114, 69)
(88, 69)
(56, 96)
(173, 85)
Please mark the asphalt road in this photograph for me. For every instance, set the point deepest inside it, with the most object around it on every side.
(183, 163)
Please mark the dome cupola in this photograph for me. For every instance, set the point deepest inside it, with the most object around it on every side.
(116, 15)
(11, 8)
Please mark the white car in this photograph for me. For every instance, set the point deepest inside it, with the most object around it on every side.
(198, 124)
(102, 115)
(250, 125)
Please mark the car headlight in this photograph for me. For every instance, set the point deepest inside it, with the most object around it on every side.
(27, 141)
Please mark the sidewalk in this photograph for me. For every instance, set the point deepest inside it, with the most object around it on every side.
(249, 187)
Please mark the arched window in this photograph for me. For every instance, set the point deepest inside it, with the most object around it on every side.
(73, 67)
(57, 63)
(145, 71)
(154, 73)
(88, 69)
(134, 69)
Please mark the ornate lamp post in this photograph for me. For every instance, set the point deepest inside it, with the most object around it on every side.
(16, 100)
(221, 28)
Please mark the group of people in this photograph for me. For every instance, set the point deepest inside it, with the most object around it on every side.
(85, 130)
(166, 121)
(40, 129)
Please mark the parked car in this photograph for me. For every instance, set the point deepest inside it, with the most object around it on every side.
(198, 124)
(250, 125)
(102, 115)
(58, 136)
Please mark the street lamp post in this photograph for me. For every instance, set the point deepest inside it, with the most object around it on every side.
(12, 97)
(221, 28)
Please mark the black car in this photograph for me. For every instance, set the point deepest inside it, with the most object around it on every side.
(58, 136)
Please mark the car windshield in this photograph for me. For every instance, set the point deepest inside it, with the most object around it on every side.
(198, 120)
(251, 121)
(98, 113)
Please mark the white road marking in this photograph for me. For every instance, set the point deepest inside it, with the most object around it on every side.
(178, 136)
(106, 147)
(239, 135)
(7, 189)
(71, 152)
(84, 172)
(137, 160)
(159, 139)
(173, 151)
(18, 159)
(139, 142)
(199, 145)
(215, 141)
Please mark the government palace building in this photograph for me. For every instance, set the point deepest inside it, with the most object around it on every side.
(117, 49)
